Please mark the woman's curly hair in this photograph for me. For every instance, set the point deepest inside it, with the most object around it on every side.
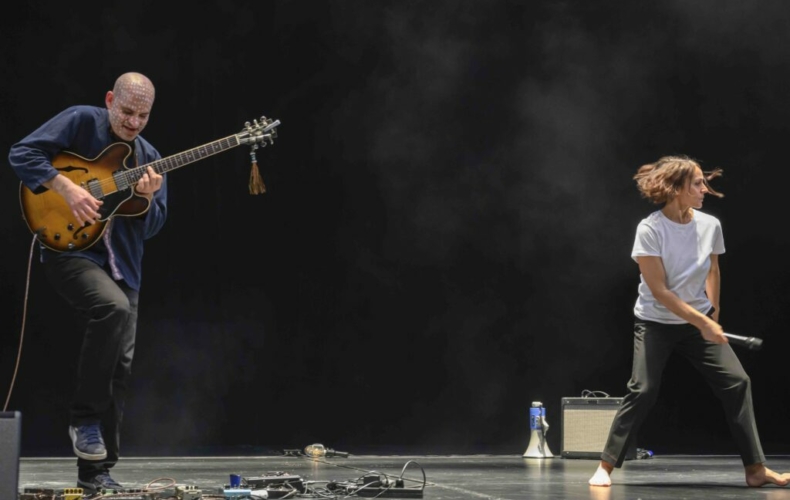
(661, 181)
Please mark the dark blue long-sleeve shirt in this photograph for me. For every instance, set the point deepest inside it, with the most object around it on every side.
(85, 131)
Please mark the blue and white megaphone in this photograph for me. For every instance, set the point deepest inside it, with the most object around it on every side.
(538, 447)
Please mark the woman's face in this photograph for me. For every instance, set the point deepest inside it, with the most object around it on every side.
(694, 191)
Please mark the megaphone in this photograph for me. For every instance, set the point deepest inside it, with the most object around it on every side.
(538, 447)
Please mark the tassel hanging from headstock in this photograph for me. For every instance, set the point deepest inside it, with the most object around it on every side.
(256, 181)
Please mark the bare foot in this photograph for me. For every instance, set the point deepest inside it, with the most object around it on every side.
(602, 476)
(758, 475)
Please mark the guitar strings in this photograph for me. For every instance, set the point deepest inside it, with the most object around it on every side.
(132, 175)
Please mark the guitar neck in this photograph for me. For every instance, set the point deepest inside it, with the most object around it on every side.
(130, 177)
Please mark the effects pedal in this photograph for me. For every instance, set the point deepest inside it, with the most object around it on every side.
(393, 492)
(375, 486)
(184, 492)
(237, 492)
(54, 494)
(37, 494)
(278, 480)
(72, 494)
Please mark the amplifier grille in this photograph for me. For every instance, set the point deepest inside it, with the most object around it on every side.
(585, 426)
(587, 429)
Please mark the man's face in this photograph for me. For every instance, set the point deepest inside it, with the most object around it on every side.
(129, 107)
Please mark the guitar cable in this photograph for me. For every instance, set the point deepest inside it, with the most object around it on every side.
(24, 317)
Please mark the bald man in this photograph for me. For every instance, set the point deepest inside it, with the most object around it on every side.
(102, 280)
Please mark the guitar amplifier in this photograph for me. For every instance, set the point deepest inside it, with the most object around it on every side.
(10, 445)
(585, 426)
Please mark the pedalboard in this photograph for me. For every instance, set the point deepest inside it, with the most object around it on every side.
(269, 485)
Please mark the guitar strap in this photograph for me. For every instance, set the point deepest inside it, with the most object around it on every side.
(114, 271)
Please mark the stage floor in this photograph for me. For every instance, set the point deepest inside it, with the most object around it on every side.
(447, 477)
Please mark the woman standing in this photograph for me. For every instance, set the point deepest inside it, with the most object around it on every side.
(677, 310)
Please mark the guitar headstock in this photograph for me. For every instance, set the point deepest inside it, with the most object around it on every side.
(260, 131)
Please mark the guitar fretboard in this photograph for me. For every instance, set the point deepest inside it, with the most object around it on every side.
(128, 178)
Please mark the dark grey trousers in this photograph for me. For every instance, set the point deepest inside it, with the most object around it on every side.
(109, 308)
(653, 344)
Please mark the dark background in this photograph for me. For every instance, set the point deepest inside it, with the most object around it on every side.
(447, 230)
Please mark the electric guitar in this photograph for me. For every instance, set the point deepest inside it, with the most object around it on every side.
(109, 179)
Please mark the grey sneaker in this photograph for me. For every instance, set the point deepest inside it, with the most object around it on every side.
(88, 443)
(100, 483)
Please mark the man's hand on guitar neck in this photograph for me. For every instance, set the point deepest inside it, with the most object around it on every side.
(149, 183)
(84, 207)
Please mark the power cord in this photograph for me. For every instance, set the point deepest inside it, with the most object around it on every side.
(24, 317)
(594, 394)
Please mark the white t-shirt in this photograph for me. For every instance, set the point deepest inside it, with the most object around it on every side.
(685, 250)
